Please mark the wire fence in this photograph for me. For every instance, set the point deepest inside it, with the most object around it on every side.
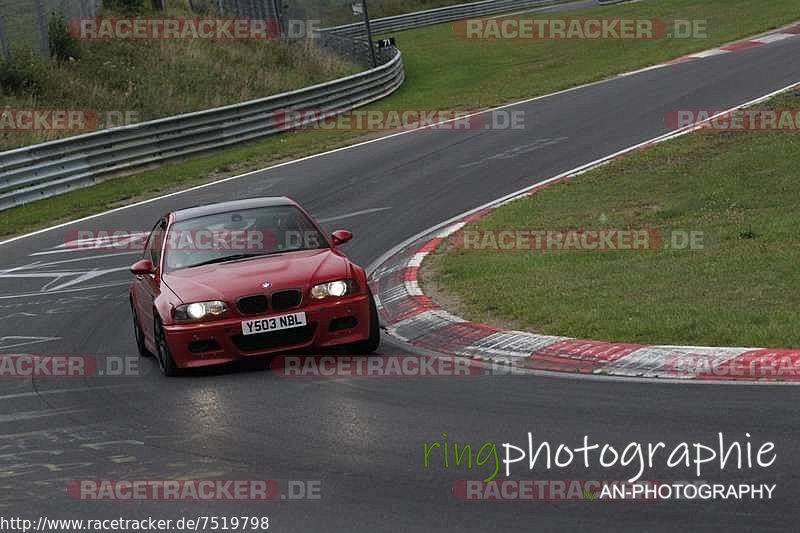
(23, 23)
(257, 9)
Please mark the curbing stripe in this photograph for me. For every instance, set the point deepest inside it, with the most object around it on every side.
(737, 46)
(416, 319)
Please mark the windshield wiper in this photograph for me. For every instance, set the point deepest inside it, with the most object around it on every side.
(227, 258)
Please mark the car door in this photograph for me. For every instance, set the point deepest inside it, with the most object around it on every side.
(147, 287)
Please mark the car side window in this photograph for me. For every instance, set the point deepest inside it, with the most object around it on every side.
(155, 243)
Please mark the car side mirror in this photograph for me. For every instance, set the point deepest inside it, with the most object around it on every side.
(341, 236)
(143, 267)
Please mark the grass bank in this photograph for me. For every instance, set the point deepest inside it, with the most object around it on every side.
(737, 287)
(140, 80)
(443, 72)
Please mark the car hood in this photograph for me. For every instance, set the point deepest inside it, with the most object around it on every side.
(228, 281)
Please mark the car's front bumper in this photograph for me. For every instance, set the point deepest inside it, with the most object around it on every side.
(222, 341)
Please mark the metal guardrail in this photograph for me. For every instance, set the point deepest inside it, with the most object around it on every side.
(52, 168)
(439, 15)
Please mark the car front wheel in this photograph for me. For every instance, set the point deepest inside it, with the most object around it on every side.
(164, 356)
(371, 344)
(139, 334)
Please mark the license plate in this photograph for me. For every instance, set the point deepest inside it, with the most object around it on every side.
(273, 323)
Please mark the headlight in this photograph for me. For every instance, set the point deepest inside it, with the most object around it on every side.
(199, 310)
(334, 289)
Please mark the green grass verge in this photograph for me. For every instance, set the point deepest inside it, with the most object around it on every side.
(147, 79)
(739, 189)
(443, 72)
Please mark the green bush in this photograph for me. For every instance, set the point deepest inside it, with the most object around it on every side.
(63, 46)
(202, 7)
(24, 71)
(130, 7)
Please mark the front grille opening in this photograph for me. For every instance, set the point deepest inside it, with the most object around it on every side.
(206, 345)
(345, 322)
(252, 305)
(274, 339)
(286, 299)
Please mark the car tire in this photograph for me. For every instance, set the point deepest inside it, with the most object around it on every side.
(139, 334)
(165, 361)
(371, 344)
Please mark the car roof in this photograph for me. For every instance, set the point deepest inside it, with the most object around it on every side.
(226, 207)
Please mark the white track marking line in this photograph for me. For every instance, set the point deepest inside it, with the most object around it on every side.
(86, 277)
(353, 214)
(413, 289)
(17, 269)
(82, 275)
(709, 53)
(62, 261)
(416, 259)
(775, 37)
(64, 291)
(14, 275)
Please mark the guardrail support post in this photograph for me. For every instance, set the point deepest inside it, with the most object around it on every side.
(41, 19)
(4, 47)
(369, 34)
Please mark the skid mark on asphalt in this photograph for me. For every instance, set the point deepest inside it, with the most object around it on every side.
(58, 391)
(39, 264)
(30, 415)
(54, 456)
(14, 341)
(66, 291)
(73, 301)
(57, 280)
(516, 151)
(38, 466)
(130, 239)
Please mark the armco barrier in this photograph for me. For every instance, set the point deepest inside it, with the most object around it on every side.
(52, 168)
(439, 15)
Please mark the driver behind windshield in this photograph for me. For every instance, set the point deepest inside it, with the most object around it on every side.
(250, 232)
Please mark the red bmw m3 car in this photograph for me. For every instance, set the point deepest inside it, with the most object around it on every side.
(246, 278)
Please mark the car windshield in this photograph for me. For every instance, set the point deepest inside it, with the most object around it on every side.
(239, 235)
